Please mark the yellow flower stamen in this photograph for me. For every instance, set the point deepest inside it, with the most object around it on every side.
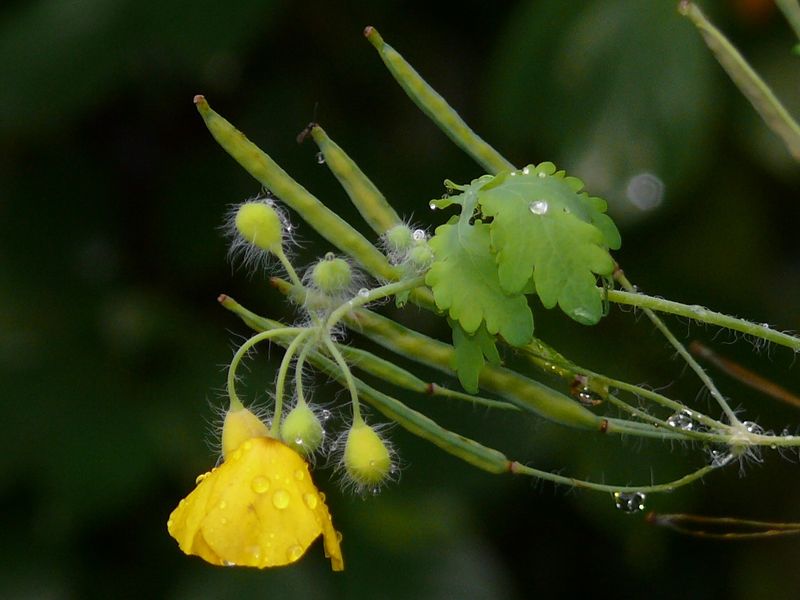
(260, 508)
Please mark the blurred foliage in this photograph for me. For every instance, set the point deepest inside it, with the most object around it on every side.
(111, 342)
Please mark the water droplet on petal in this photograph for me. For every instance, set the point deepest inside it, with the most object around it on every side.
(320, 158)
(363, 292)
(201, 477)
(222, 505)
(260, 485)
(280, 499)
(310, 500)
(322, 496)
(294, 553)
(228, 563)
(539, 207)
(223, 521)
(299, 475)
(629, 502)
(339, 537)
(418, 235)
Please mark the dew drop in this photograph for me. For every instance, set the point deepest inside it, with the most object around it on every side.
(432, 206)
(542, 174)
(720, 458)
(280, 499)
(363, 292)
(325, 415)
(375, 491)
(169, 524)
(201, 477)
(513, 174)
(329, 256)
(629, 502)
(260, 485)
(299, 475)
(228, 563)
(222, 505)
(223, 521)
(294, 553)
(753, 427)
(682, 420)
(539, 207)
(339, 537)
(418, 235)
(320, 158)
(310, 500)
(526, 171)
(247, 446)
(255, 552)
(322, 496)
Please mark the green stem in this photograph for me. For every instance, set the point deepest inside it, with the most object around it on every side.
(791, 11)
(374, 294)
(348, 377)
(702, 314)
(683, 352)
(280, 383)
(600, 487)
(236, 403)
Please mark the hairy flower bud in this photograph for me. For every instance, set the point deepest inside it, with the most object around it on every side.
(302, 431)
(367, 459)
(239, 426)
(332, 275)
(398, 238)
(259, 224)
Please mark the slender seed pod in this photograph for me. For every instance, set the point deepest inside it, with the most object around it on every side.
(437, 108)
(369, 201)
(525, 393)
(330, 225)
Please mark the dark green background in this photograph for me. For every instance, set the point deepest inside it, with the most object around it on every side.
(112, 345)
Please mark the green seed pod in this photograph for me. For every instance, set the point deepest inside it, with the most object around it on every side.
(259, 224)
(332, 275)
(367, 459)
(302, 430)
(398, 238)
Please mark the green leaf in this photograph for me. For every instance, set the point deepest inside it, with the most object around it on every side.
(546, 228)
(465, 283)
(471, 353)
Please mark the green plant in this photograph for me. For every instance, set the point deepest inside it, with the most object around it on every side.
(516, 234)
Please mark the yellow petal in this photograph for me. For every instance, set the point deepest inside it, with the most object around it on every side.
(260, 508)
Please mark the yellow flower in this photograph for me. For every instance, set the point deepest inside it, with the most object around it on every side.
(260, 508)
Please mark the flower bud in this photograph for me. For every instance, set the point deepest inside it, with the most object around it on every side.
(332, 275)
(302, 431)
(421, 255)
(366, 456)
(398, 238)
(239, 426)
(259, 224)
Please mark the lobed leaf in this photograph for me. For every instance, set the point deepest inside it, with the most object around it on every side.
(465, 283)
(546, 229)
(471, 353)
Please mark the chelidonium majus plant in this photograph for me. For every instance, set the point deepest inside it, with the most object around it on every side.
(508, 235)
